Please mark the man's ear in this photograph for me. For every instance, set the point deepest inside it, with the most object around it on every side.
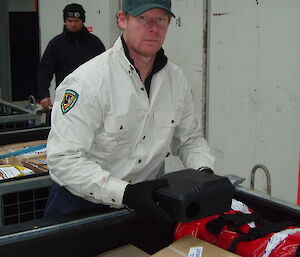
(122, 19)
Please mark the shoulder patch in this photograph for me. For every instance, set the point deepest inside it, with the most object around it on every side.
(69, 100)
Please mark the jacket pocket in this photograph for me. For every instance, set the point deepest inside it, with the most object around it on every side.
(164, 123)
(166, 119)
(118, 137)
(119, 127)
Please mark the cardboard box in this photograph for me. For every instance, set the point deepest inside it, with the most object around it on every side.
(182, 247)
(124, 251)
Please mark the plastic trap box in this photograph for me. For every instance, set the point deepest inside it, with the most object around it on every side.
(192, 194)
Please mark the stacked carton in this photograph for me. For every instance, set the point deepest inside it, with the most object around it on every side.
(188, 246)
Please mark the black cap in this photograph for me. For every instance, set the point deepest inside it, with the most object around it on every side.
(74, 11)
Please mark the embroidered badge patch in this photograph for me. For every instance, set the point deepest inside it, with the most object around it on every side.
(69, 100)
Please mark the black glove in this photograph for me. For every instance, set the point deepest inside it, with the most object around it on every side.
(139, 197)
(206, 169)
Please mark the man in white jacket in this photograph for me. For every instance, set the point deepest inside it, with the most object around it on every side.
(116, 117)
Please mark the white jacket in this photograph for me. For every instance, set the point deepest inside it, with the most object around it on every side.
(115, 134)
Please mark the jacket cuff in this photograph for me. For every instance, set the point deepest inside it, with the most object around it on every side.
(114, 192)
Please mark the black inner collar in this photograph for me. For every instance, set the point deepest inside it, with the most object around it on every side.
(159, 62)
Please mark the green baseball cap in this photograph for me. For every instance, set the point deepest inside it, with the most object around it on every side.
(137, 7)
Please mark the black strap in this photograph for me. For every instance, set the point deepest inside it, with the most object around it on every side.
(241, 218)
(258, 232)
(234, 221)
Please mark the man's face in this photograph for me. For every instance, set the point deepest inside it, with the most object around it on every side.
(73, 24)
(145, 33)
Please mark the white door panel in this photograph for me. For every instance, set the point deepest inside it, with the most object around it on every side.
(254, 90)
(184, 46)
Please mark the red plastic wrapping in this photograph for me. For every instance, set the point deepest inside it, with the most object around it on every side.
(281, 244)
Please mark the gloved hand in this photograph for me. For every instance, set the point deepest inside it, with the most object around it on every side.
(139, 197)
(206, 169)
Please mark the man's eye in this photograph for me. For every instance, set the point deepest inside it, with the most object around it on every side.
(162, 19)
(143, 17)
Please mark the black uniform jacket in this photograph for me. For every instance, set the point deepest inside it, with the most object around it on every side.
(64, 54)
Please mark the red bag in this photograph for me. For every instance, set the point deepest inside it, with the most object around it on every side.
(245, 234)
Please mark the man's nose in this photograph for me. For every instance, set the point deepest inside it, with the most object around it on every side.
(153, 25)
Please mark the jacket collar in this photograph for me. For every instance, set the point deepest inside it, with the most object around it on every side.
(75, 35)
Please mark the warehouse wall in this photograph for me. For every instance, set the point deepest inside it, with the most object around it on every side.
(254, 92)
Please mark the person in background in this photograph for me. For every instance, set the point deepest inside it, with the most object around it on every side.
(65, 52)
(116, 117)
